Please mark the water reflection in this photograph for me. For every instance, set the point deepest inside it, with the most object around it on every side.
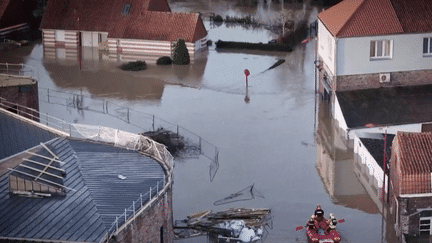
(344, 177)
(99, 73)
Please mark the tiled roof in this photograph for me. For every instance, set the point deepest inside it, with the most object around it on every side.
(90, 15)
(166, 26)
(377, 17)
(415, 152)
(11, 13)
(148, 19)
(414, 161)
(386, 106)
(414, 16)
(3, 6)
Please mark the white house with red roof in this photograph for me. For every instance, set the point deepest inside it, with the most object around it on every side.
(364, 44)
(121, 26)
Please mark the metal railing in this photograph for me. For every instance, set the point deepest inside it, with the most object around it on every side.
(18, 70)
(118, 138)
(137, 207)
(137, 120)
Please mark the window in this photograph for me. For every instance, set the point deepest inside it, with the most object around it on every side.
(126, 9)
(381, 49)
(427, 46)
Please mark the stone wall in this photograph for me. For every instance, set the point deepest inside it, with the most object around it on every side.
(152, 226)
(371, 81)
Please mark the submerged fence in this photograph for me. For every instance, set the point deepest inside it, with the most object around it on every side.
(137, 120)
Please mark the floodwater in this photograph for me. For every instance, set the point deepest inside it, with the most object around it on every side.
(271, 134)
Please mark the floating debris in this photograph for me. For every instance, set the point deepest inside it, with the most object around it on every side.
(279, 62)
(246, 194)
(235, 224)
(256, 46)
(174, 142)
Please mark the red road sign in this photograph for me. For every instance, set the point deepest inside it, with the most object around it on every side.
(246, 72)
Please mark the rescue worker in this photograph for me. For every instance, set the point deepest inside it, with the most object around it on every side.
(320, 221)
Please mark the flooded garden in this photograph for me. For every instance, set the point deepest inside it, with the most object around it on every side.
(272, 133)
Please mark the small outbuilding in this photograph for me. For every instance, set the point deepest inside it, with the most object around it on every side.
(141, 27)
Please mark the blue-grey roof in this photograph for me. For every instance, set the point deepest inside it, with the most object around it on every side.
(96, 193)
(17, 136)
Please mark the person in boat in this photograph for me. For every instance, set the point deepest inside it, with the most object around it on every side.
(319, 221)
(311, 223)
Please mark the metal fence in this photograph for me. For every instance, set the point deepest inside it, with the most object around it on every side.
(18, 70)
(118, 138)
(147, 122)
(136, 119)
(141, 204)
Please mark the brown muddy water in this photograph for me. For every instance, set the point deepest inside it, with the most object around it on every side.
(278, 140)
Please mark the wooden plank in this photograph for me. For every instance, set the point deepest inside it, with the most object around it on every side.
(52, 167)
(55, 160)
(41, 171)
(51, 152)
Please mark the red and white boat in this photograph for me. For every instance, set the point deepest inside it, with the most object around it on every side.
(321, 230)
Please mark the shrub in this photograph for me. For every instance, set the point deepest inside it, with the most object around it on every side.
(165, 60)
(181, 54)
(218, 18)
(134, 66)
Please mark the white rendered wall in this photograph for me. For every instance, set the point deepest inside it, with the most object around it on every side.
(353, 55)
(326, 47)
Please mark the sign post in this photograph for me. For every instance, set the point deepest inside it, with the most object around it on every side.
(246, 72)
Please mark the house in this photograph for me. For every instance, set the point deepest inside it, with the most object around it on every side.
(127, 26)
(410, 196)
(370, 44)
(82, 184)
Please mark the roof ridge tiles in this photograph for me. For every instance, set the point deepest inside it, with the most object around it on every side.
(350, 17)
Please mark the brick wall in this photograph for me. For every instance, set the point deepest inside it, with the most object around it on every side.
(153, 226)
(408, 210)
(371, 81)
(24, 95)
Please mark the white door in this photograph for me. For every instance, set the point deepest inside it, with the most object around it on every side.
(87, 39)
(60, 35)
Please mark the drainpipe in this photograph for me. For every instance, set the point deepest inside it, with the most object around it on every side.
(397, 211)
(335, 65)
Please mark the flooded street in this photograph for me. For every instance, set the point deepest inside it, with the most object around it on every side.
(270, 135)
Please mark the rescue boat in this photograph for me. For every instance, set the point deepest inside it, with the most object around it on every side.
(321, 230)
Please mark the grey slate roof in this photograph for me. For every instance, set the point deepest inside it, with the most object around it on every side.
(386, 106)
(17, 136)
(98, 195)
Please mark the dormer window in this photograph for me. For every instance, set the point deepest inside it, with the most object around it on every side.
(126, 9)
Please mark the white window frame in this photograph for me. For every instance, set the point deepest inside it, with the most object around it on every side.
(428, 46)
(379, 55)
